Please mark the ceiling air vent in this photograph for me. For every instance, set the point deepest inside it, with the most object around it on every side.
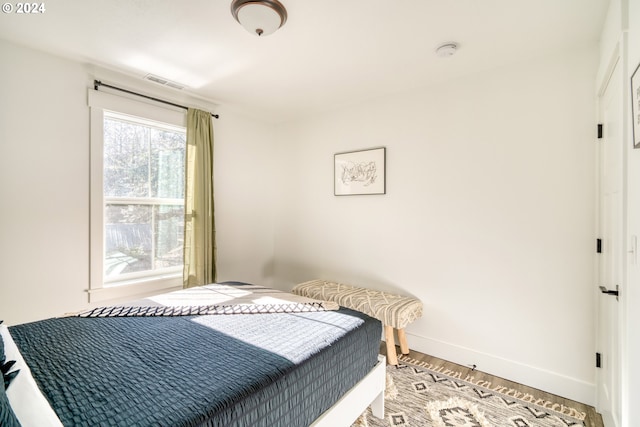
(175, 85)
(163, 82)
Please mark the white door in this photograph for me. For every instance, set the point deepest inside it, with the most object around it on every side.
(611, 260)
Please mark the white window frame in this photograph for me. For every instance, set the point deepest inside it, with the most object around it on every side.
(99, 102)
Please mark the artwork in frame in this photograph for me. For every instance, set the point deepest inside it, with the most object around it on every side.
(635, 106)
(360, 172)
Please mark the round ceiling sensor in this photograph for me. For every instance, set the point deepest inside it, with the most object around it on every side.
(446, 50)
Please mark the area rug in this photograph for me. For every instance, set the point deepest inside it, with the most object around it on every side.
(421, 394)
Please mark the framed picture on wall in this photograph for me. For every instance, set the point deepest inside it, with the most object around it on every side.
(635, 106)
(360, 172)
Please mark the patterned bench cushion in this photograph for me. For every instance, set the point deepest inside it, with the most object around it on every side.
(392, 310)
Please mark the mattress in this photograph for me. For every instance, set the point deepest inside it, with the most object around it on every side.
(275, 369)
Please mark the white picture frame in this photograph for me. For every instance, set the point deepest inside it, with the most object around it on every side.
(360, 172)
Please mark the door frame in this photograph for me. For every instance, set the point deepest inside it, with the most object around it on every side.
(617, 64)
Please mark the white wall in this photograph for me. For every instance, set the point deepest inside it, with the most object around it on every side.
(488, 216)
(44, 187)
(244, 192)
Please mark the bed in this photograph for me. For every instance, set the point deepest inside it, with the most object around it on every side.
(257, 357)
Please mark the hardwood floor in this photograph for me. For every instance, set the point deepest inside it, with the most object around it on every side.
(593, 419)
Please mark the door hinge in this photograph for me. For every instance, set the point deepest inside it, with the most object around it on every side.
(599, 246)
(599, 130)
(615, 293)
(598, 360)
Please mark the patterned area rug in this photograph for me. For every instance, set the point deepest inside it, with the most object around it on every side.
(420, 394)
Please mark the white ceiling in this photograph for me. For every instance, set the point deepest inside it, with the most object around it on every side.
(330, 53)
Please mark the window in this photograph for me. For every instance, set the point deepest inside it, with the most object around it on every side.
(137, 197)
(143, 185)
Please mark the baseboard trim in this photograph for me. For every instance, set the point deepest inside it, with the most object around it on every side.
(542, 379)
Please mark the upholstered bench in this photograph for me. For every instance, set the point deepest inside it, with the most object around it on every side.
(394, 311)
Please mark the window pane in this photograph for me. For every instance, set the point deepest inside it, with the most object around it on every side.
(169, 235)
(141, 238)
(143, 190)
(167, 163)
(126, 159)
(128, 239)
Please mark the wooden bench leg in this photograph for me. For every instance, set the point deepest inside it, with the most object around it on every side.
(392, 356)
(404, 347)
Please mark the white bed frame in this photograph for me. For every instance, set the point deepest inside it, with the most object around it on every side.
(369, 391)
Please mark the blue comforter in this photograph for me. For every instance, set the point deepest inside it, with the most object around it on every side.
(236, 370)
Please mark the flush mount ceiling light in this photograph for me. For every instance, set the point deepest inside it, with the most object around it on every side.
(446, 50)
(259, 17)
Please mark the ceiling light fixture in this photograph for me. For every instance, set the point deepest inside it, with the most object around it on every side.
(259, 17)
(446, 50)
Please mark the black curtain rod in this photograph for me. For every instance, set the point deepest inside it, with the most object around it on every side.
(98, 83)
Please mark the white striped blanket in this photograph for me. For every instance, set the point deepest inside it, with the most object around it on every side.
(214, 299)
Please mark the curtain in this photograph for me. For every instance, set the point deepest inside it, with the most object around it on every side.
(199, 225)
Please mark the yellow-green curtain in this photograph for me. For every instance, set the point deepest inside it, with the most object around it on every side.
(199, 224)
